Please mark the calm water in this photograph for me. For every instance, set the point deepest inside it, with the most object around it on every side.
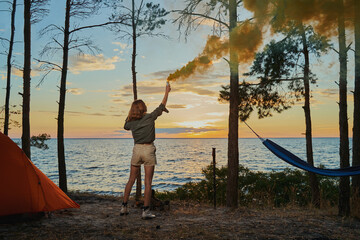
(102, 165)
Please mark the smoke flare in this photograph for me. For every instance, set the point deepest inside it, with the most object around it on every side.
(216, 48)
(322, 14)
(213, 50)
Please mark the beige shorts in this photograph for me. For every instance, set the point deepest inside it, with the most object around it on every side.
(144, 154)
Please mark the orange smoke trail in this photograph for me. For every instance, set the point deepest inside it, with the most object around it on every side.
(321, 14)
(198, 64)
(247, 39)
(213, 50)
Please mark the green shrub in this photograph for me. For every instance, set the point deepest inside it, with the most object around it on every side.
(257, 188)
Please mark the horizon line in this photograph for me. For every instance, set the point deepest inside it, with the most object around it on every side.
(183, 138)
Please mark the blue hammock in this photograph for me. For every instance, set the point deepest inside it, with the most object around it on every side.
(290, 158)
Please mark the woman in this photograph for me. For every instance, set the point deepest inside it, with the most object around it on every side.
(142, 126)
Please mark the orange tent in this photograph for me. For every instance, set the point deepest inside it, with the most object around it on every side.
(23, 187)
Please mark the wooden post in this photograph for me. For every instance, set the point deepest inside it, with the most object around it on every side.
(214, 175)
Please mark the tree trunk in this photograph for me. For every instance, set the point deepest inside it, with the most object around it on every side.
(8, 81)
(25, 138)
(315, 199)
(60, 129)
(133, 70)
(133, 60)
(356, 125)
(344, 185)
(233, 149)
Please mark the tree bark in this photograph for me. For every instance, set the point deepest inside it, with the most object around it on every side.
(25, 138)
(344, 185)
(233, 149)
(309, 150)
(60, 127)
(356, 125)
(8, 80)
(133, 71)
(133, 59)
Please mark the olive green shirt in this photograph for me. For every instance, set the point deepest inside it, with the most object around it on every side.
(143, 130)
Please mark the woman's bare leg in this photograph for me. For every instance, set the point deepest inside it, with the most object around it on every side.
(149, 173)
(134, 172)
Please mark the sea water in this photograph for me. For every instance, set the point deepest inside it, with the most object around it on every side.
(102, 165)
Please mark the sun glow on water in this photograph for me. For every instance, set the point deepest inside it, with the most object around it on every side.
(197, 124)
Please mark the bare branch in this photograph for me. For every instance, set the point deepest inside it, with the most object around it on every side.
(84, 8)
(226, 60)
(87, 43)
(150, 34)
(124, 7)
(48, 67)
(50, 28)
(39, 10)
(272, 80)
(224, 2)
(44, 76)
(139, 12)
(349, 47)
(125, 33)
(56, 41)
(9, 2)
(4, 39)
(335, 50)
(98, 25)
(59, 68)
(182, 12)
(49, 49)
(247, 20)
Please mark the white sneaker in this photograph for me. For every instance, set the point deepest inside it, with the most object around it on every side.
(124, 210)
(146, 214)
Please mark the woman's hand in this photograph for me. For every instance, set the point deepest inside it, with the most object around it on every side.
(167, 90)
(168, 87)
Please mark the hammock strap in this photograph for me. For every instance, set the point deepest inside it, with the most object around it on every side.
(254, 131)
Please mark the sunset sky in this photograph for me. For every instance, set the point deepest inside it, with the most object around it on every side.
(100, 86)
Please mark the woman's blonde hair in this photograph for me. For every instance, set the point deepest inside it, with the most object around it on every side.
(137, 110)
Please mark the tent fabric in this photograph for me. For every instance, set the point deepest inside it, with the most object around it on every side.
(23, 187)
(292, 159)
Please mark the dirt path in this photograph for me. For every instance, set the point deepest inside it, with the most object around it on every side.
(98, 218)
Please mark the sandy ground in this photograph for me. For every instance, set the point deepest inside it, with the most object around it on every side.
(98, 218)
